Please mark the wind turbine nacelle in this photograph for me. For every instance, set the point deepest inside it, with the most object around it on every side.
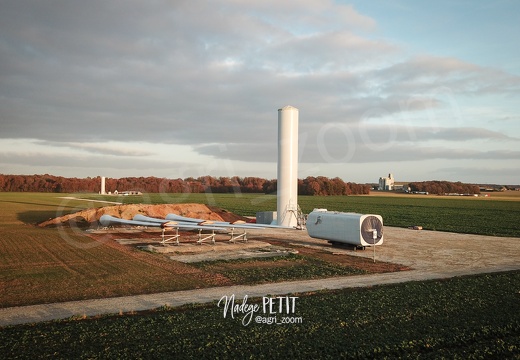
(347, 228)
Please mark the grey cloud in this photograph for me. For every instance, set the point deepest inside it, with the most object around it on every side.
(202, 73)
(350, 143)
(476, 172)
(137, 70)
(87, 161)
(252, 152)
(466, 134)
(99, 148)
(418, 153)
(426, 73)
(327, 52)
(382, 134)
(342, 153)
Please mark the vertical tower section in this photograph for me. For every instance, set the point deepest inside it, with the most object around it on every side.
(102, 192)
(287, 184)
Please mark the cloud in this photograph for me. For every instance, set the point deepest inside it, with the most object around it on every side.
(358, 153)
(102, 149)
(88, 75)
(86, 161)
(478, 172)
(343, 143)
(423, 73)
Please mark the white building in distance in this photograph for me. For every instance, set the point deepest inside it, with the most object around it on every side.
(386, 183)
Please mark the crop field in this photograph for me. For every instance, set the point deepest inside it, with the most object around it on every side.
(40, 265)
(474, 317)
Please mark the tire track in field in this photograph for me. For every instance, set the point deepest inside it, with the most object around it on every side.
(52, 255)
(164, 264)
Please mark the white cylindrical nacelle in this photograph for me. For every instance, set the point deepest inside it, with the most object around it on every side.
(287, 185)
(347, 228)
(102, 185)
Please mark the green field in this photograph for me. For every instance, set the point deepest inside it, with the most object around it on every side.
(475, 317)
(497, 216)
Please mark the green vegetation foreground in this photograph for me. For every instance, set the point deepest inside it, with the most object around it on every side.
(467, 317)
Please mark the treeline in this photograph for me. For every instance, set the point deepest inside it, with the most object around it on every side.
(324, 186)
(444, 187)
(49, 183)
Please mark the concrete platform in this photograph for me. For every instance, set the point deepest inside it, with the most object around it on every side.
(248, 253)
(205, 248)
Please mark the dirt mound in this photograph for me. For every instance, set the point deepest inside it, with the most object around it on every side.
(199, 211)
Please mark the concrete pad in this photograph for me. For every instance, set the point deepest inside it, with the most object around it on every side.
(251, 253)
(205, 248)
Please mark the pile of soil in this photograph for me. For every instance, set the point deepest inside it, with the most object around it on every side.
(198, 211)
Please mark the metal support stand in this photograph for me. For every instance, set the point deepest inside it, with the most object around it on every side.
(237, 237)
(173, 237)
(209, 236)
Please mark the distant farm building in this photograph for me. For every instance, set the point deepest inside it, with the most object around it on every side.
(126, 193)
(386, 183)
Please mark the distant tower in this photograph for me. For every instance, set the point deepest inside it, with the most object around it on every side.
(102, 192)
(287, 193)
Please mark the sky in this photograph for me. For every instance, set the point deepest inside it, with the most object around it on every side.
(425, 90)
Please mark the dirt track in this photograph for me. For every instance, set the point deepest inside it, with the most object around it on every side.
(431, 254)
